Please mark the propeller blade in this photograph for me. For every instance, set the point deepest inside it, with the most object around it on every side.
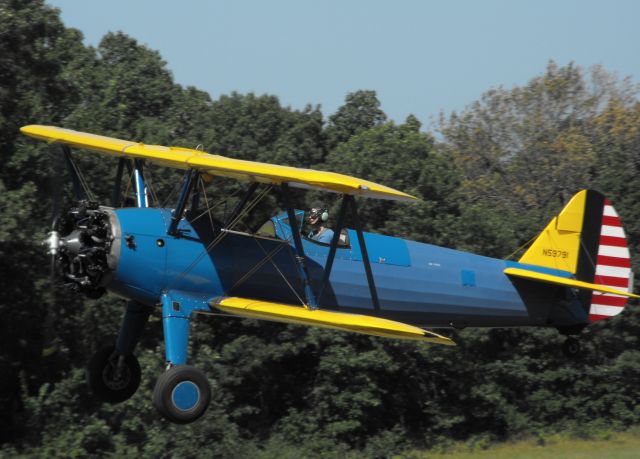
(53, 240)
(52, 267)
(56, 184)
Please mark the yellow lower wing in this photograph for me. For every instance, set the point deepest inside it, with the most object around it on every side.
(551, 279)
(367, 325)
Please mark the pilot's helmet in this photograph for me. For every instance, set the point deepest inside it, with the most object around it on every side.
(315, 212)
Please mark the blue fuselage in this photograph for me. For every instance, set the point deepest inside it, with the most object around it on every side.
(416, 283)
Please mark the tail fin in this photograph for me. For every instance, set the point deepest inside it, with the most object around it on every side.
(587, 239)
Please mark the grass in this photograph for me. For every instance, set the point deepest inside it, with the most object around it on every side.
(618, 446)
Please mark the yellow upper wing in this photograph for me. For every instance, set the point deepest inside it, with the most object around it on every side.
(185, 158)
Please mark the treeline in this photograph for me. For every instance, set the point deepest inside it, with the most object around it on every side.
(489, 178)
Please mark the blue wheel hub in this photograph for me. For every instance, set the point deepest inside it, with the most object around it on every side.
(185, 396)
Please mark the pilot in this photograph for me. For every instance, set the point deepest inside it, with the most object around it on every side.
(316, 219)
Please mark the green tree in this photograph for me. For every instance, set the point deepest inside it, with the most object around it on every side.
(404, 158)
(524, 152)
(34, 49)
(617, 142)
(361, 111)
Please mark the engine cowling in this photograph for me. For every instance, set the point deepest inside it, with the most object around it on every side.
(86, 248)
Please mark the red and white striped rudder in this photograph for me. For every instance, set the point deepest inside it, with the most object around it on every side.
(613, 266)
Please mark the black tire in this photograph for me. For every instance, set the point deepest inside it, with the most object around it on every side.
(182, 394)
(93, 293)
(571, 347)
(109, 384)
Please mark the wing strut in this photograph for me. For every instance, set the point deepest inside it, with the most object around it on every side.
(365, 255)
(334, 245)
(300, 258)
(243, 202)
(195, 195)
(141, 186)
(190, 178)
(78, 191)
(116, 194)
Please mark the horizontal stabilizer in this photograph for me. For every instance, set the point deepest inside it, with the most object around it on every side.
(557, 280)
(367, 325)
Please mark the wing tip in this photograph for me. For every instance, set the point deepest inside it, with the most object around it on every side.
(439, 339)
(29, 128)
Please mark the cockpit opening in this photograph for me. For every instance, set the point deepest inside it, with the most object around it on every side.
(278, 227)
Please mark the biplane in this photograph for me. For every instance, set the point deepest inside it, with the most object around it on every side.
(181, 261)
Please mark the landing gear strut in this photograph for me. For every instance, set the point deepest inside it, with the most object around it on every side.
(113, 374)
(182, 393)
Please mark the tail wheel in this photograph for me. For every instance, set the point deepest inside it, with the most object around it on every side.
(113, 377)
(182, 394)
(571, 347)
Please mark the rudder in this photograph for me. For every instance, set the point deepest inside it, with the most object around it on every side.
(587, 239)
(613, 266)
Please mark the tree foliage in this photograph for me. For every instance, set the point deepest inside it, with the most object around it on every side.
(499, 170)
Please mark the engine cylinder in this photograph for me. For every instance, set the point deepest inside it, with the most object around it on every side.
(87, 250)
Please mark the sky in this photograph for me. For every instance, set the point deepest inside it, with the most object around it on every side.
(421, 57)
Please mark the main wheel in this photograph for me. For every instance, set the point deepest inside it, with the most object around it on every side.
(182, 394)
(571, 347)
(113, 377)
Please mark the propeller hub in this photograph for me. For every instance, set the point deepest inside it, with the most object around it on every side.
(52, 242)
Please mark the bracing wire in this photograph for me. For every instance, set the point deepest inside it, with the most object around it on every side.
(257, 266)
(152, 192)
(222, 234)
(209, 208)
(522, 247)
(176, 187)
(128, 187)
(215, 242)
(591, 260)
(206, 203)
(83, 181)
(280, 272)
